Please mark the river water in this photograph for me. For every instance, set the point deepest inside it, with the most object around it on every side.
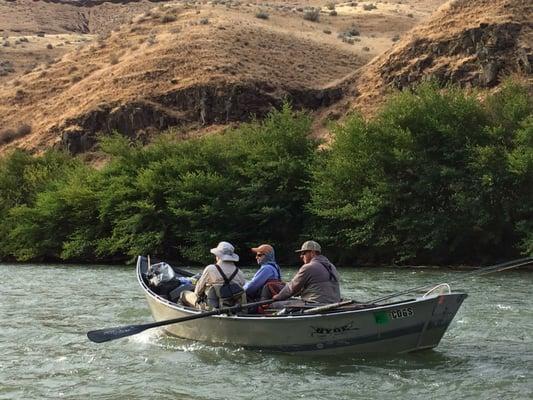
(46, 311)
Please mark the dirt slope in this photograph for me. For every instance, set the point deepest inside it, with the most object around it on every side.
(171, 66)
(469, 42)
(194, 64)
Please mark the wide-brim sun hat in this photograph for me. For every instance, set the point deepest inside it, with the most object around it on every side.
(225, 251)
(310, 245)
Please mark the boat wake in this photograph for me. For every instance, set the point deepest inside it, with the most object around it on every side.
(158, 337)
(150, 336)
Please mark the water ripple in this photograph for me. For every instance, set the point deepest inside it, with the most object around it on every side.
(485, 354)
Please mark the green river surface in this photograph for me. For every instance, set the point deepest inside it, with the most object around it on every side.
(46, 310)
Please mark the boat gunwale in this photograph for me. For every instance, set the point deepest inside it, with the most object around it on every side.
(191, 311)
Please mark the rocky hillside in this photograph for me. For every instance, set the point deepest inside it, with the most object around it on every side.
(29, 17)
(175, 65)
(200, 65)
(34, 32)
(196, 64)
(469, 42)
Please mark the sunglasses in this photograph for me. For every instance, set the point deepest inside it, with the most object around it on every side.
(259, 255)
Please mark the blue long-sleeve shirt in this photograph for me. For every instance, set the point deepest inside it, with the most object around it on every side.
(263, 274)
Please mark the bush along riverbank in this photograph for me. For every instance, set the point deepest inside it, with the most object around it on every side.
(436, 177)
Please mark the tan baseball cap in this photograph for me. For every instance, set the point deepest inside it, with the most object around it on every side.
(264, 249)
(310, 245)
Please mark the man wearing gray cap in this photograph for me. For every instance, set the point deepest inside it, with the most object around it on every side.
(317, 280)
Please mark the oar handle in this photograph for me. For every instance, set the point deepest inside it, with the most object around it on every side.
(327, 307)
(180, 319)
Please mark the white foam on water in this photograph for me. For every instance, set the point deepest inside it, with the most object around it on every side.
(502, 307)
(190, 347)
(149, 336)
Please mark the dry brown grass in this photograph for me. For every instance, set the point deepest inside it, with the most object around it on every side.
(159, 51)
(442, 47)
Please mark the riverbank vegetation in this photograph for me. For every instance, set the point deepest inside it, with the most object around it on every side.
(436, 177)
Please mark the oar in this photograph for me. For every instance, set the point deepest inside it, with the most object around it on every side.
(328, 307)
(107, 334)
(482, 271)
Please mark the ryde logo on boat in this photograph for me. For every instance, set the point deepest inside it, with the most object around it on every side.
(335, 331)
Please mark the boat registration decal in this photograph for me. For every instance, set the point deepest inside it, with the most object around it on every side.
(381, 318)
(334, 331)
(402, 313)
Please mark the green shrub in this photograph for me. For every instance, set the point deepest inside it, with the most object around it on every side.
(23, 178)
(261, 14)
(172, 199)
(312, 15)
(57, 225)
(178, 198)
(428, 180)
(243, 186)
(436, 177)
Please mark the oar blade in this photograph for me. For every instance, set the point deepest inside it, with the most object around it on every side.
(105, 335)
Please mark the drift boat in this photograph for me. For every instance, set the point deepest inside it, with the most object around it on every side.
(399, 327)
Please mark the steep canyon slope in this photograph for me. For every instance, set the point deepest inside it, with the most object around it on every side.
(473, 43)
(139, 67)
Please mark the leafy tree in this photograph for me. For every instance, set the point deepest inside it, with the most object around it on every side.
(505, 169)
(438, 176)
(422, 181)
(22, 178)
(175, 199)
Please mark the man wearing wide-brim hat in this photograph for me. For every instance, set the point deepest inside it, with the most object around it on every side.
(316, 280)
(225, 258)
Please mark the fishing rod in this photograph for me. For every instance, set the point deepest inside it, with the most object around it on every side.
(482, 271)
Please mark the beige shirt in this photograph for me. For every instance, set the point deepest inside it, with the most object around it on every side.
(211, 276)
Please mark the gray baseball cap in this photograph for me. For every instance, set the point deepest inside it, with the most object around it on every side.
(310, 245)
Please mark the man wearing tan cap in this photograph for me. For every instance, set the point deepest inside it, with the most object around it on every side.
(316, 280)
(269, 272)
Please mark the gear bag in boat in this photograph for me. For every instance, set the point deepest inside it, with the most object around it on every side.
(166, 283)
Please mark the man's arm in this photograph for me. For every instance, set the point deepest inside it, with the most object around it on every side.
(199, 289)
(258, 281)
(295, 286)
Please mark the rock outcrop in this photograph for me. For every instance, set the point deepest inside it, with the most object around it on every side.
(466, 42)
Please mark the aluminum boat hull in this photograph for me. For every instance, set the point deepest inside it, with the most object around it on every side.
(399, 327)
